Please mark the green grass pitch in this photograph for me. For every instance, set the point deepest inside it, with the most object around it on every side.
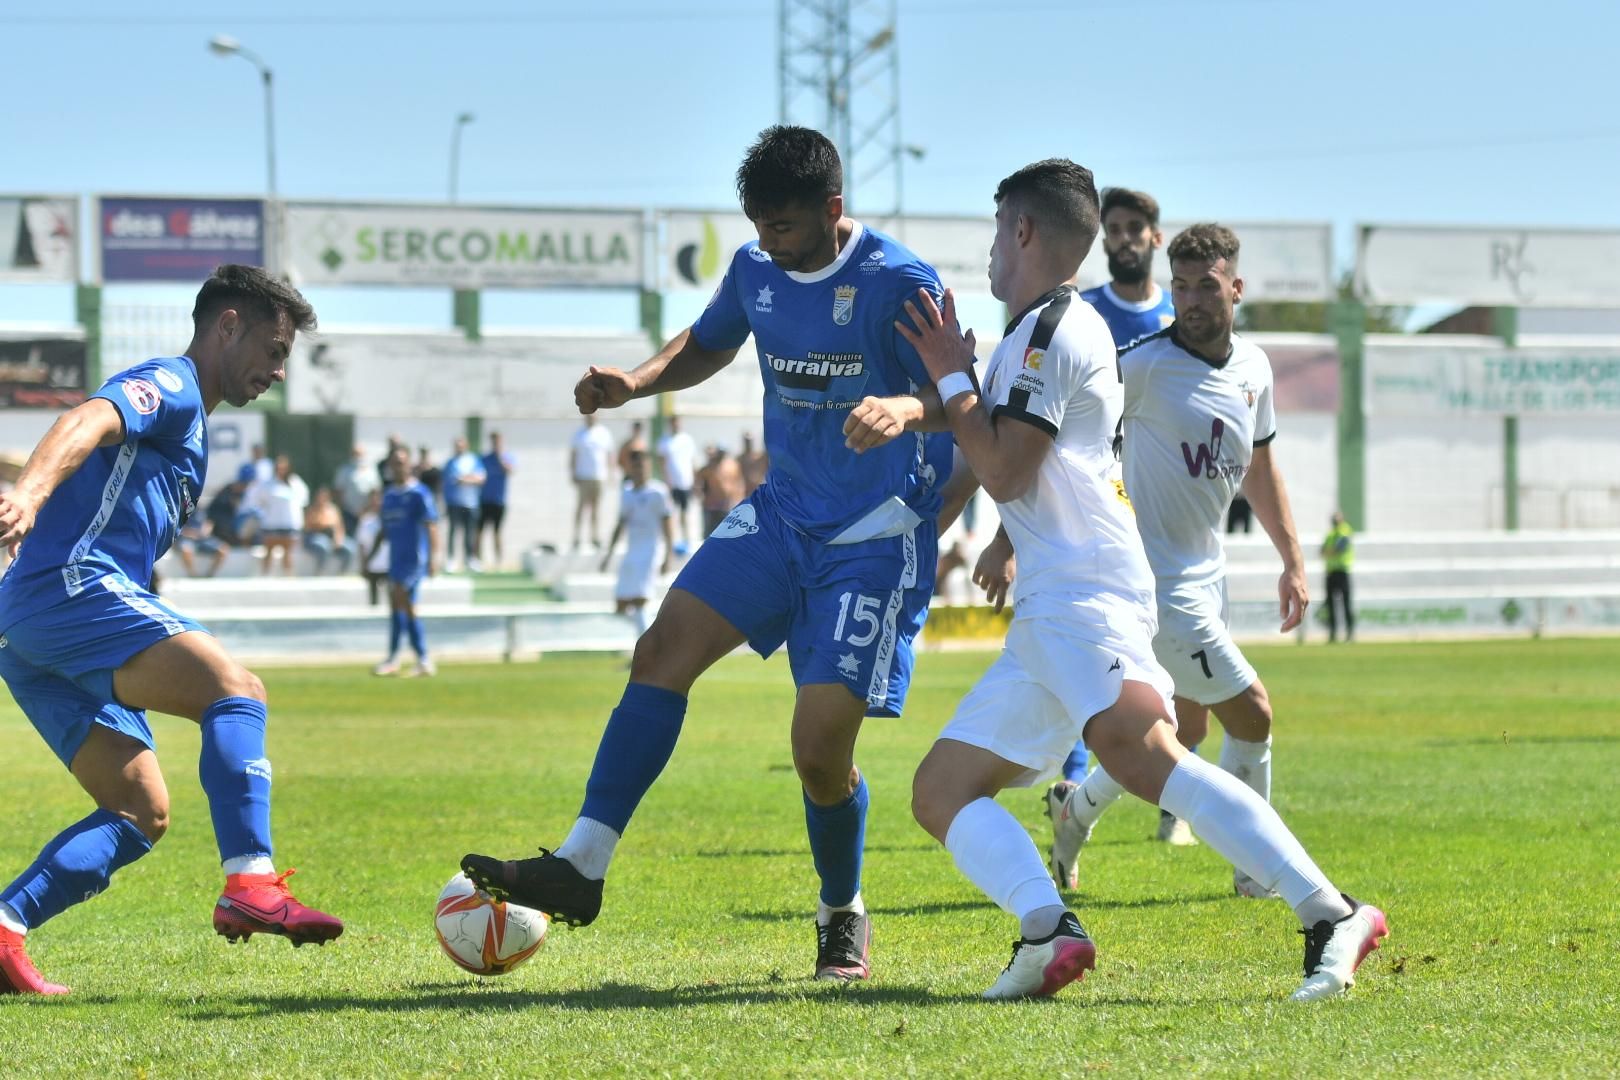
(1469, 789)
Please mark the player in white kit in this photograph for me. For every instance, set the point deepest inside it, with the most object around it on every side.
(645, 521)
(1198, 427)
(1079, 656)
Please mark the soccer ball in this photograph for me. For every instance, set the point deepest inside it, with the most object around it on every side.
(482, 934)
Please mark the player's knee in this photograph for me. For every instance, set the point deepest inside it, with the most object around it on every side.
(150, 814)
(827, 778)
(243, 683)
(930, 808)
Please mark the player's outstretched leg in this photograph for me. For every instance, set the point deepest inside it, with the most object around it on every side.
(76, 865)
(236, 778)
(567, 884)
(1246, 831)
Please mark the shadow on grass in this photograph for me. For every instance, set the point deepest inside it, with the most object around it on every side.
(480, 997)
(800, 852)
(1545, 740)
(1079, 904)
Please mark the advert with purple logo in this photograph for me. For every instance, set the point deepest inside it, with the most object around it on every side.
(178, 239)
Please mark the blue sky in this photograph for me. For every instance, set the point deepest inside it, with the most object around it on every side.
(1482, 112)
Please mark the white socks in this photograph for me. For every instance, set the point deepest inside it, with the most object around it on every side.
(1250, 762)
(1096, 793)
(1244, 828)
(249, 864)
(589, 847)
(824, 913)
(10, 920)
(996, 853)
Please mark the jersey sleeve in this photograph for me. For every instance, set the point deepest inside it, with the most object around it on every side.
(1265, 414)
(428, 510)
(154, 402)
(1036, 388)
(911, 277)
(724, 323)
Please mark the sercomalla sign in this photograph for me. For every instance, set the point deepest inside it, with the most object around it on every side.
(469, 248)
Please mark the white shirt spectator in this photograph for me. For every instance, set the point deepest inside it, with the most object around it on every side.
(593, 449)
(679, 453)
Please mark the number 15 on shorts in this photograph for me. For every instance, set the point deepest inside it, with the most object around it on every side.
(859, 616)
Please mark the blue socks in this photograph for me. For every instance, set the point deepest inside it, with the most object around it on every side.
(1074, 766)
(413, 626)
(236, 776)
(837, 839)
(75, 866)
(635, 747)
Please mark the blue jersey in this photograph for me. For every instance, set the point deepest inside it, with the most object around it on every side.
(826, 340)
(119, 512)
(496, 467)
(1129, 320)
(406, 510)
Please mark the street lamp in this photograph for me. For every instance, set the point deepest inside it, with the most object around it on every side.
(222, 45)
(455, 149)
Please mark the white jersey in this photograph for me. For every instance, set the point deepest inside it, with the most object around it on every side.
(1191, 426)
(1073, 529)
(643, 510)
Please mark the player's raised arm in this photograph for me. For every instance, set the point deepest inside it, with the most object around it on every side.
(1264, 487)
(1005, 457)
(58, 456)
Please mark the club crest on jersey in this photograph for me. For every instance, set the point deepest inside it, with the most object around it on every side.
(843, 304)
(1250, 392)
(1033, 358)
(143, 396)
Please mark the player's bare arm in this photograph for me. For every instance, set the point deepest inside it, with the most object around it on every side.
(58, 456)
(613, 542)
(669, 546)
(678, 365)
(1005, 457)
(996, 568)
(433, 548)
(1264, 488)
(957, 491)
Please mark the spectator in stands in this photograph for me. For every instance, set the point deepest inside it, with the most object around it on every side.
(374, 569)
(257, 468)
(754, 463)
(463, 486)
(431, 475)
(589, 455)
(197, 536)
(394, 443)
(636, 443)
(1239, 516)
(720, 486)
(1339, 554)
(679, 457)
(279, 504)
(352, 482)
(498, 465)
(324, 534)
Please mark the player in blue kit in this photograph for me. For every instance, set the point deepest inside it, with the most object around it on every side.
(1131, 303)
(86, 648)
(409, 527)
(833, 556)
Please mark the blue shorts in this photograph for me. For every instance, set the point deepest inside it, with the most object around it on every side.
(59, 662)
(848, 613)
(409, 578)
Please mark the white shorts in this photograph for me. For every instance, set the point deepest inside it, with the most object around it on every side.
(1053, 675)
(1195, 644)
(637, 572)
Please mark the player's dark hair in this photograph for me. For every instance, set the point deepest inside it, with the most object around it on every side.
(788, 166)
(1055, 194)
(1205, 242)
(254, 293)
(1118, 198)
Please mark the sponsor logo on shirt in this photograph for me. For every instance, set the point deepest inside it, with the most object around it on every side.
(817, 371)
(740, 522)
(874, 263)
(143, 396)
(762, 302)
(168, 380)
(1033, 358)
(757, 255)
(843, 304)
(1206, 460)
